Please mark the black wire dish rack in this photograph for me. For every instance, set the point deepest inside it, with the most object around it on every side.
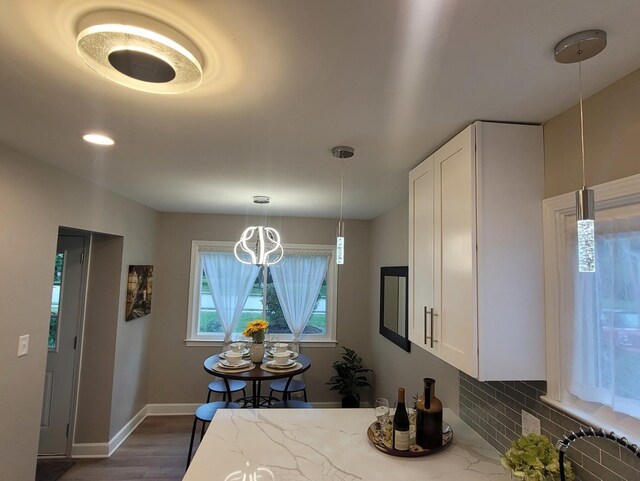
(563, 444)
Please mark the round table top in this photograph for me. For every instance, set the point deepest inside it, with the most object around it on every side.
(256, 374)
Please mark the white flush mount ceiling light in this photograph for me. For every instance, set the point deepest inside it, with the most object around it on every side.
(341, 152)
(98, 139)
(139, 52)
(259, 245)
(575, 49)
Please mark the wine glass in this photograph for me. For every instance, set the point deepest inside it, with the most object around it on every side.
(382, 410)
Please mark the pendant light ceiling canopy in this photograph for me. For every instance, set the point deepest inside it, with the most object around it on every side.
(575, 49)
(139, 52)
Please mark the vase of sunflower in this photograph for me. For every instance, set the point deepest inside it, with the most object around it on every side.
(256, 330)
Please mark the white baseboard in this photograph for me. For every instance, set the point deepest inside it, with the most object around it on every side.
(90, 450)
(127, 429)
(184, 409)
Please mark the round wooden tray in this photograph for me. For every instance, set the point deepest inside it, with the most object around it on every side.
(377, 439)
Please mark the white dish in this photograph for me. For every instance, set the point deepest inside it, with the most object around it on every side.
(242, 363)
(291, 353)
(222, 367)
(245, 353)
(286, 365)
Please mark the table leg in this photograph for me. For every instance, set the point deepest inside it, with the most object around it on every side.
(256, 398)
(285, 394)
(259, 398)
(226, 383)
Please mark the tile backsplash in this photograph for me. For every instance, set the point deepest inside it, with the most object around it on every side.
(494, 410)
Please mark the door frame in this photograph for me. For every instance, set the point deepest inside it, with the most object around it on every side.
(77, 358)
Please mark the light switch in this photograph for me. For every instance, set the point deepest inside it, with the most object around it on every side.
(23, 345)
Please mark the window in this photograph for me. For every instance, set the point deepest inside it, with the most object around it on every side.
(55, 302)
(251, 287)
(593, 319)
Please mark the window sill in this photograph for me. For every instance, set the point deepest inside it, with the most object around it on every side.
(622, 424)
(208, 343)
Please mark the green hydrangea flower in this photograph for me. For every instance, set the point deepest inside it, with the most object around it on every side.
(534, 458)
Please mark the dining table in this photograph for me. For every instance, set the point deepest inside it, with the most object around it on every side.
(257, 374)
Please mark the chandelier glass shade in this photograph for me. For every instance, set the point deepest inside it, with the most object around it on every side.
(259, 245)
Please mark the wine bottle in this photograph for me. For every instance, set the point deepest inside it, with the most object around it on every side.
(429, 417)
(401, 424)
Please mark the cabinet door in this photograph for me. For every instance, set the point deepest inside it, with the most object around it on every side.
(455, 244)
(421, 253)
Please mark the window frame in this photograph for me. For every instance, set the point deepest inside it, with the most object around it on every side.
(616, 193)
(193, 338)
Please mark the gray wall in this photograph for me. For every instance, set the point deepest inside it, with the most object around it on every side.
(177, 375)
(395, 367)
(611, 139)
(35, 199)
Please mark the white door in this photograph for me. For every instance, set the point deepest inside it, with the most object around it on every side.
(66, 309)
(421, 252)
(456, 244)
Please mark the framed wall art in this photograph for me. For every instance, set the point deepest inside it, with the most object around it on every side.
(139, 289)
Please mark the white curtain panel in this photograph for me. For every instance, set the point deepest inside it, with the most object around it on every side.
(603, 310)
(230, 282)
(298, 279)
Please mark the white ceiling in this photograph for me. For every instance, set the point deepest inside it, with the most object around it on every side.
(286, 80)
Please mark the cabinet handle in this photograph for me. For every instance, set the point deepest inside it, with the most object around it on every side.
(425, 324)
(432, 314)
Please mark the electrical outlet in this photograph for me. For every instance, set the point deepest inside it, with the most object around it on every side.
(530, 423)
(23, 345)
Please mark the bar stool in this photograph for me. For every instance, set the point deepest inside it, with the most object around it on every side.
(205, 413)
(294, 386)
(294, 404)
(221, 388)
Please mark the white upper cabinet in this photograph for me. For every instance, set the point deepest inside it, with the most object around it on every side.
(475, 252)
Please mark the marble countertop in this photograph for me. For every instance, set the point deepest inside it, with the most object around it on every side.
(328, 444)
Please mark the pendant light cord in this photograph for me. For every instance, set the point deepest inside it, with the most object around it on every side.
(584, 183)
(341, 186)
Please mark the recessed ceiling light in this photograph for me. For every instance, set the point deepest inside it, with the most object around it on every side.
(98, 139)
(139, 52)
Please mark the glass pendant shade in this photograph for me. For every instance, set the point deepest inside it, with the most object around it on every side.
(340, 243)
(586, 230)
(260, 246)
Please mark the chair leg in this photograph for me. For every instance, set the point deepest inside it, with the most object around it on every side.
(208, 396)
(304, 391)
(193, 435)
(244, 393)
(204, 424)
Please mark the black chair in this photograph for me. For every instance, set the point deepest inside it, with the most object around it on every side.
(294, 404)
(221, 388)
(205, 413)
(294, 386)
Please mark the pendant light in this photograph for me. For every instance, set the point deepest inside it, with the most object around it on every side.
(341, 152)
(575, 49)
(259, 245)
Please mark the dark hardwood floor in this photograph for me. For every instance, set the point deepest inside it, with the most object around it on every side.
(155, 451)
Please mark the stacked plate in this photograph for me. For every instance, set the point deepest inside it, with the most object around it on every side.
(286, 365)
(292, 354)
(227, 366)
(245, 353)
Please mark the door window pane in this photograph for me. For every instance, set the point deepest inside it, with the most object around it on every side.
(55, 301)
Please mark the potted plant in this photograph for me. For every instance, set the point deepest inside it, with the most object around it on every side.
(349, 376)
(534, 458)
